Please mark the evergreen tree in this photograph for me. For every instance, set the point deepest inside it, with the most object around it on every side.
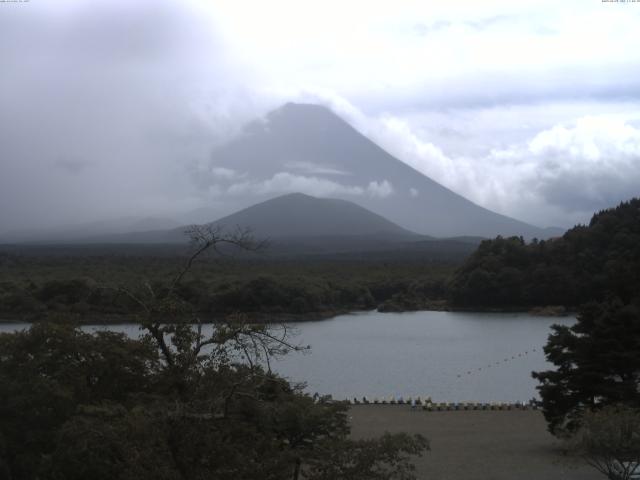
(597, 363)
(588, 263)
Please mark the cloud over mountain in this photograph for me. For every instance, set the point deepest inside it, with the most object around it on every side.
(111, 105)
(564, 172)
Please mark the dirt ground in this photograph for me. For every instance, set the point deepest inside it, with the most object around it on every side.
(483, 444)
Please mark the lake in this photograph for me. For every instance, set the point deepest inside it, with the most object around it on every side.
(449, 356)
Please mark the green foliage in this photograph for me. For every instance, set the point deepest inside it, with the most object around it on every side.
(174, 404)
(48, 371)
(586, 263)
(75, 405)
(387, 457)
(39, 286)
(597, 363)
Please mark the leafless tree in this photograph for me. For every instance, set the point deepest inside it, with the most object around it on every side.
(176, 327)
(609, 441)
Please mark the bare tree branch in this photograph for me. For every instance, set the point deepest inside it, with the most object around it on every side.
(210, 236)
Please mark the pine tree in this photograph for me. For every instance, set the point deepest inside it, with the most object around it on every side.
(597, 363)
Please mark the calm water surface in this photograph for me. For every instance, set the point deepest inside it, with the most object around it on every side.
(448, 356)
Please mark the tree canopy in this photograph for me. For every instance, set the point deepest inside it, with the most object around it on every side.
(597, 363)
(588, 263)
(174, 403)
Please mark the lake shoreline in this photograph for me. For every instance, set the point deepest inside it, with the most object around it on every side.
(452, 356)
(277, 318)
(253, 317)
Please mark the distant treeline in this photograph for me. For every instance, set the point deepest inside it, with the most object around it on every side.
(33, 288)
(588, 263)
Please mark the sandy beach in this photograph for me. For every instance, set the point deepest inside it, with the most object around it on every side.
(482, 445)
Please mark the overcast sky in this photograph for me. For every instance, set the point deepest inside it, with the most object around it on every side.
(531, 109)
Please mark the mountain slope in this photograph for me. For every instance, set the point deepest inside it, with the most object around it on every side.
(296, 222)
(299, 215)
(309, 146)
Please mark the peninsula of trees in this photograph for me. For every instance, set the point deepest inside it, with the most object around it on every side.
(588, 263)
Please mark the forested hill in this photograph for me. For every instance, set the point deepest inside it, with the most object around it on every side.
(586, 263)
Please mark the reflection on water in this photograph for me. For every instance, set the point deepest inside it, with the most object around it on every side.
(448, 356)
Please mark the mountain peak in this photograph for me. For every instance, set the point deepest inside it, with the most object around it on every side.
(294, 107)
(296, 196)
(300, 215)
(302, 146)
(304, 115)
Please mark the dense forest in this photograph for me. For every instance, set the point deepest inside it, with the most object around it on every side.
(35, 285)
(174, 403)
(177, 404)
(588, 263)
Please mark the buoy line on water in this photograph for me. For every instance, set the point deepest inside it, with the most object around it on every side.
(425, 403)
(473, 371)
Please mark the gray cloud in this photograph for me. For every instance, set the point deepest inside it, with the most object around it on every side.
(138, 90)
(380, 189)
(563, 173)
(226, 173)
(315, 168)
(480, 24)
(508, 88)
(593, 163)
(286, 182)
(113, 107)
(72, 165)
